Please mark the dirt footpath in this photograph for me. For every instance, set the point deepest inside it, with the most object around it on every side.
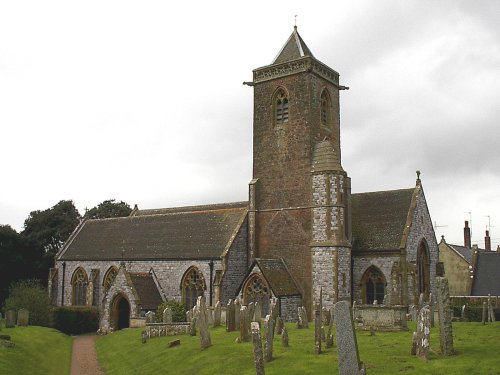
(84, 357)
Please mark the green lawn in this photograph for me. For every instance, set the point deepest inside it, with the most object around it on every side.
(37, 350)
(477, 346)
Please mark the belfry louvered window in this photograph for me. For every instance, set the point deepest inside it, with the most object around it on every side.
(281, 108)
(325, 108)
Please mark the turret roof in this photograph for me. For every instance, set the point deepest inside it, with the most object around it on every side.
(294, 49)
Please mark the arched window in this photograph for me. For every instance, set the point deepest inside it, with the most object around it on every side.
(193, 286)
(109, 278)
(373, 286)
(79, 282)
(423, 266)
(325, 108)
(281, 107)
(257, 290)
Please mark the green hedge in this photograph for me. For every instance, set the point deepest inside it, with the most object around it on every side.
(178, 311)
(75, 320)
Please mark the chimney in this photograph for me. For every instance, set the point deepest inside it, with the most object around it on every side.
(467, 235)
(487, 241)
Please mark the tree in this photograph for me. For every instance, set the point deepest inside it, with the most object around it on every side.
(29, 294)
(107, 209)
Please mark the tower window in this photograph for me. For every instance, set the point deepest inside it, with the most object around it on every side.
(325, 108)
(281, 104)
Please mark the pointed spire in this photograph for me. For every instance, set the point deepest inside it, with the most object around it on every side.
(294, 48)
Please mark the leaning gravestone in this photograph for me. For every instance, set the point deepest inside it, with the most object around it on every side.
(23, 317)
(10, 319)
(347, 346)
(202, 323)
(192, 322)
(230, 322)
(167, 315)
(217, 314)
(244, 325)
(284, 337)
(257, 349)
(279, 325)
(444, 310)
(302, 321)
(268, 338)
(423, 334)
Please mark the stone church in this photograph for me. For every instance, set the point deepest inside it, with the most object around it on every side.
(300, 231)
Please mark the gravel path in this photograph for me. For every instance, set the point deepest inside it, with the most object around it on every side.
(84, 357)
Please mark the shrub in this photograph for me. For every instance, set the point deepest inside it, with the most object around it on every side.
(76, 320)
(178, 312)
(29, 294)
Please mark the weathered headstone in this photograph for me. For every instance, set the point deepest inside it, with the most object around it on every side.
(491, 313)
(202, 323)
(284, 337)
(302, 320)
(257, 349)
(444, 311)
(210, 317)
(10, 319)
(217, 314)
(230, 319)
(279, 325)
(251, 311)
(347, 345)
(189, 315)
(483, 320)
(89, 298)
(421, 301)
(317, 331)
(237, 308)
(329, 335)
(173, 343)
(413, 312)
(244, 324)
(268, 338)
(167, 315)
(274, 308)
(192, 322)
(462, 313)
(414, 344)
(150, 317)
(144, 337)
(257, 315)
(23, 317)
(423, 333)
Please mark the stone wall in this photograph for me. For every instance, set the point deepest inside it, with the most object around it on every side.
(380, 318)
(456, 270)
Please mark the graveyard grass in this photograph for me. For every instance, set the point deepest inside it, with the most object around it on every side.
(477, 348)
(37, 350)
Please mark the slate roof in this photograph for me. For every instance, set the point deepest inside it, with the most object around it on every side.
(146, 290)
(486, 274)
(465, 252)
(278, 277)
(191, 234)
(379, 219)
(294, 49)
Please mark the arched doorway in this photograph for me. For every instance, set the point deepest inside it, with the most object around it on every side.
(423, 269)
(373, 286)
(120, 312)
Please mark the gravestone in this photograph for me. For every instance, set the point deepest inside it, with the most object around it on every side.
(167, 315)
(329, 335)
(173, 343)
(251, 311)
(230, 322)
(421, 301)
(444, 311)
(462, 313)
(257, 315)
(284, 337)
(210, 317)
(268, 338)
(23, 317)
(347, 346)
(202, 323)
(302, 321)
(483, 320)
(89, 298)
(413, 350)
(431, 308)
(491, 313)
(189, 315)
(327, 315)
(244, 324)
(10, 319)
(192, 322)
(217, 314)
(279, 325)
(317, 331)
(144, 337)
(274, 308)
(257, 349)
(413, 312)
(150, 317)
(423, 333)
(237, 308)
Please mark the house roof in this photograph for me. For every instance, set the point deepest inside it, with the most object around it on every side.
(278, 277)
(294, 49)
(146, 290)
(465, 252)
(196, 233)
(486, 274)
(379, 219)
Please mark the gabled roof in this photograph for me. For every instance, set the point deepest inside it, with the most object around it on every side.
(463, 251)
(379, 219)
(146, 290)
(175, 234)
(294, 49)
(486, 274)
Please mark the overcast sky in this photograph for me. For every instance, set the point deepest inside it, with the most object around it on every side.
(142, 101)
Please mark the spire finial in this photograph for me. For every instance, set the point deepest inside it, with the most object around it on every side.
(295, 17)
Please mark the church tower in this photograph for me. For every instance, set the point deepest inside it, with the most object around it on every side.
(296, 107)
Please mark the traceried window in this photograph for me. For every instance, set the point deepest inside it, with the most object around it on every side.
(193, 286)
(373, 286)
(325, 108)
(79, 283)
(281, 107)
(109, 278)
(257, 290)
